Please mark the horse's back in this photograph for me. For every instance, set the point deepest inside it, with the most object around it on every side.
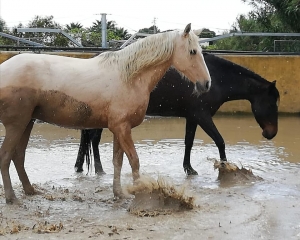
(27, 69)
(50, 72)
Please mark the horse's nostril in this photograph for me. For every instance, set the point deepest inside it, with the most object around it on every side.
(202, 87)
(207, 85)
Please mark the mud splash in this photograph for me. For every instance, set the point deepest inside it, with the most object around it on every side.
(230, 173)
(158, 197)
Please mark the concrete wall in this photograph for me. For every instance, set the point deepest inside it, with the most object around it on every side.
(284, 69)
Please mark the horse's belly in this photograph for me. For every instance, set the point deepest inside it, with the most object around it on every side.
(58, 108)
(80, 119)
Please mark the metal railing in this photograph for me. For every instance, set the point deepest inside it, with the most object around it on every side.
(52, 31)
(37, 47)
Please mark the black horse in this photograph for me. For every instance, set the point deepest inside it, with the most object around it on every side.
(173, 97)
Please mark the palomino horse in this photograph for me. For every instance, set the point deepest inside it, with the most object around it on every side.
(110, 91)
(173, 97)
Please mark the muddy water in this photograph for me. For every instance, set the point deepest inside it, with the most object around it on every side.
(84, 204)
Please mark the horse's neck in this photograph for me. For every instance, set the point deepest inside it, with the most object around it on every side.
(152, 75)
(238, 88)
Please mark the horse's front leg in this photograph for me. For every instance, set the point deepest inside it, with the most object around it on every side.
(207, 124)
(118, 154)
(95, 144)
(124, 139)
(190, 130)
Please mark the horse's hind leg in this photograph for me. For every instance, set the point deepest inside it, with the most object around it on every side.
(19, 159)
(95, 144)
(83, 150)
(12, 137)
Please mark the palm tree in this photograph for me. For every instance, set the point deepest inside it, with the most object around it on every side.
(97, 26)
(73, 25)
(122, 33)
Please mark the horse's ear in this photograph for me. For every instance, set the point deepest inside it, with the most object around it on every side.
(198, 31)
(187, 30)
(272, 85)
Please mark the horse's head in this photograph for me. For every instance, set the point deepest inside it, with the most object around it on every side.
(188, 59)
(265, 109)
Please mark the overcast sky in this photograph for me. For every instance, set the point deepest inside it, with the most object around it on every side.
(217, 15)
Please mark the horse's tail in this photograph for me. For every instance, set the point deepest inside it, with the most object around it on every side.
(87, 151)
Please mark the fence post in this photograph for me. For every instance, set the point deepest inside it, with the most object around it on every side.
(104, 30)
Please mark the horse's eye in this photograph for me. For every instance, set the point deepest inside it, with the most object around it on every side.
(193, 52)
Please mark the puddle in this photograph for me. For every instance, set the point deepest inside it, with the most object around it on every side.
(84, 205)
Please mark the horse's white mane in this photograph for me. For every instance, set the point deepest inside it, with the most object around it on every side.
(150, 51)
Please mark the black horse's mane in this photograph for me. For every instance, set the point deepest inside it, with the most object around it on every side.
(243, 70)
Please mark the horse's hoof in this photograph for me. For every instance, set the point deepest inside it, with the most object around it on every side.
(78, 170)
(100, 172)
(223, 163)
(34, 192)
(190, 171)
(12, 201)
(30, 191)
(119, 197)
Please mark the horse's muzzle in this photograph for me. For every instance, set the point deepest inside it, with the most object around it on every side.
(202, 88)
(269, 132)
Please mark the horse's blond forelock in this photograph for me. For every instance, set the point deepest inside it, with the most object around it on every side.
(150, 51)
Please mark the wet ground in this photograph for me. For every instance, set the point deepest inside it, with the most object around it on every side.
(81, 206)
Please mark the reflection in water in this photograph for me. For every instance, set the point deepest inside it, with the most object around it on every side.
(52, 150)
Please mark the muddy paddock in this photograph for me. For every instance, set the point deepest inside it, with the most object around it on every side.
(81, 206)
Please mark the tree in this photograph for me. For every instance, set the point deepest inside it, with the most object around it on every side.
(206, 33)
(113, 30)
(266, 16)
(150, 30)
(3, 28)
(2, 25)
(97, 26)
(122, 33)
(47, 38)
(287, 11)
(73, 25)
